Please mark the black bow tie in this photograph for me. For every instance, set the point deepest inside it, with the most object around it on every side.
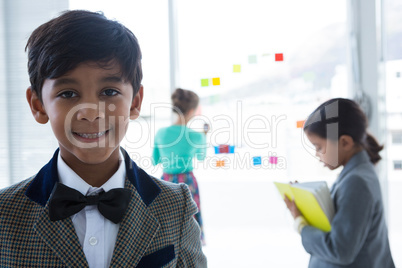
(66, 201)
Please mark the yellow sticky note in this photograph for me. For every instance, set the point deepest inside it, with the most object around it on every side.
(216, 81)
(236, 68)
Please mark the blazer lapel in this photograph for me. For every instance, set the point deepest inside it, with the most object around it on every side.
(139, 226)
(60, 236)
(136, 232)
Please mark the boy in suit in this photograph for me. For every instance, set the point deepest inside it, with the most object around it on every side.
(91, 206)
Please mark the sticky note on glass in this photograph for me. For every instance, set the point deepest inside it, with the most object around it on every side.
(220, 163)
(236, 68)
(231, 149)
(300, 124)
(216, 81)
(252, 59)
(257, 160)
(214, 99)
(224, 149)
(205, 82)
(273, 160)
(309, 76)
(279, 57)
(398, 74)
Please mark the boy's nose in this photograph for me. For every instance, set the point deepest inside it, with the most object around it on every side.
(91, 112)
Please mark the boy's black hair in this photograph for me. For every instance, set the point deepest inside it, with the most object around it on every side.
(78, 36)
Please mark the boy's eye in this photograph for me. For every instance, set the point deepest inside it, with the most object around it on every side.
(110, 92)
(67, 94)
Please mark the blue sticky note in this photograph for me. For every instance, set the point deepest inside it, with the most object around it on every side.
(231, 149)
(256, 160)
(216, 149)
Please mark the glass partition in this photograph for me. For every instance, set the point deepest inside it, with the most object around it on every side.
(393, 85)
(259, 68)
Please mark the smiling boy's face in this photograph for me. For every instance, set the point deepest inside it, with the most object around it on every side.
(89, 110)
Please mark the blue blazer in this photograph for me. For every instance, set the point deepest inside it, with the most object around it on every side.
(359, 235)
(158, 229)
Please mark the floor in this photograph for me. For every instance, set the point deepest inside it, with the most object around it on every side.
(247, 225)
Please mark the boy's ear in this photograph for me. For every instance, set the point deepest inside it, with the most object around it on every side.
(346, 142)
(136, 104)
(37, 109)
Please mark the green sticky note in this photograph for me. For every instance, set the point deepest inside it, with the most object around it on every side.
(309, 76)
(214, 99)
(205, 82)
(252, 59)
(236, 68)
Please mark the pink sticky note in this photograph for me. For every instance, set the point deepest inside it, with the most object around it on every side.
(273, 160)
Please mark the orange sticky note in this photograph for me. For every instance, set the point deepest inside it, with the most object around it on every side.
(216, 81)
(220, 163)
(300, 124)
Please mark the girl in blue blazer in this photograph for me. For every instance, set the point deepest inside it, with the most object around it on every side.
(359, 235)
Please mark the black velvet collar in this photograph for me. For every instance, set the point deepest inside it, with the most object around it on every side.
(42, 185)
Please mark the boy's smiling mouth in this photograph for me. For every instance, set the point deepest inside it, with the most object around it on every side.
(91, 136)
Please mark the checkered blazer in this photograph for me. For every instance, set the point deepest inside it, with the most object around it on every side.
(158, 229)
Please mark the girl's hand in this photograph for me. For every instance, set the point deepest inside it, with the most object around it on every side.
(292, 207)
(206, 128)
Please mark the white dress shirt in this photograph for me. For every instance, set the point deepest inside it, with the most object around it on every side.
(97, 235)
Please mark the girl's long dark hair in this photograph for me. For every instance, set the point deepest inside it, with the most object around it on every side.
(337, 117)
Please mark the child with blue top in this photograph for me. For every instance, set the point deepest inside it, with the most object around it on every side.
(177, 145)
